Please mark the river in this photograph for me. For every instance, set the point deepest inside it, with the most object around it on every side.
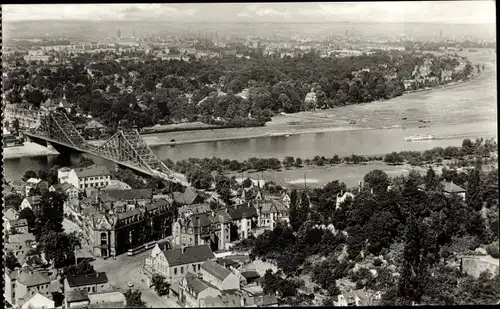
(466, 110)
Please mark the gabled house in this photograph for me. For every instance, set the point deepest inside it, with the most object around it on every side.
(272, 212)
(92, 283)
(285, 199)
(38, 301)
(448, 188)
(244, 219)
(188, 197)
(32, 202)
(193, 290)
(175, 263)
(35, 184)
(28, 283)
(357, 298)
(219, 276)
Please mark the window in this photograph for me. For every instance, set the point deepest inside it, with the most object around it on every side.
(175, 271)
(194, 267)
(182, 270)
(199, 266)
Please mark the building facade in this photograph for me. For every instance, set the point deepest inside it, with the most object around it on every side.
(83, 178)
(116, 227)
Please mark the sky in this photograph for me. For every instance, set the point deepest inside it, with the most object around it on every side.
(462, 12)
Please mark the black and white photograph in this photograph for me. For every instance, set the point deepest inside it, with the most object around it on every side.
(267, 154)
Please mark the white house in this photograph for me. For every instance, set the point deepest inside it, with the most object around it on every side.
(219, 276)
(38, 301)
(175, 263)
(86, 177)
(32, 202)
(192, 290)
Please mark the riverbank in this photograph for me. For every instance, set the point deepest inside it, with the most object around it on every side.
(28, 150)
(439, 106)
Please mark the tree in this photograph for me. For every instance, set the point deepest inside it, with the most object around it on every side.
(134, 300)
(11, 261)
(475, 189)
(51, 214)
(13, 200)
(28, 214)
(288, 162)
(59, 247)
(86, 162)
(200, 178)
(431, 180)
(82, 268)
(247, 183)
(161, 285)
(295, 221)
(298, 162)
(29, 174)
(223, 188)
(378, 181)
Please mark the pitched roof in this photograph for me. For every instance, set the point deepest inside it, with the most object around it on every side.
(242, 211)
(218, 271)
(36, 298)
(252, 274)
(131, 194)
(195, 284)
(95, 278)
(32, 278)
(201, 220)
(62, 186)
(77, 295)
(91, 171)
(195, 254)
(188, 197)
(221, 216)
(450, 187)
(228, 262)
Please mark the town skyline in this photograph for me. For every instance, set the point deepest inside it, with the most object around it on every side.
(446, 12)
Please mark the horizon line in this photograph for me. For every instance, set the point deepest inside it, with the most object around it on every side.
(246, 22)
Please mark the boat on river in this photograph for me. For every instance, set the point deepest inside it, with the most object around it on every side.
(419, 138)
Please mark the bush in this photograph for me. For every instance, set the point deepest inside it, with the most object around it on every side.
(493, 250)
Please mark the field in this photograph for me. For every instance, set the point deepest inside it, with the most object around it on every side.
(321, 175)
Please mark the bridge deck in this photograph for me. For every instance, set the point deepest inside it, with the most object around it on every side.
(90, 149)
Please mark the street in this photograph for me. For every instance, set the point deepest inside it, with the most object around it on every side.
(127, 269)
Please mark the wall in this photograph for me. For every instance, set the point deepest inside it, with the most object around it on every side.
(9, 288)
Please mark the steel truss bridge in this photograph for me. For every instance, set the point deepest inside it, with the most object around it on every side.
(126, 147)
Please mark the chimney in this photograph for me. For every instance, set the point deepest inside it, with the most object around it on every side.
(97, 274)
(371, 190)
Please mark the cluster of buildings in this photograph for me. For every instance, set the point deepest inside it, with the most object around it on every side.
(424, 74)
(115, 218)
(198, 278)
